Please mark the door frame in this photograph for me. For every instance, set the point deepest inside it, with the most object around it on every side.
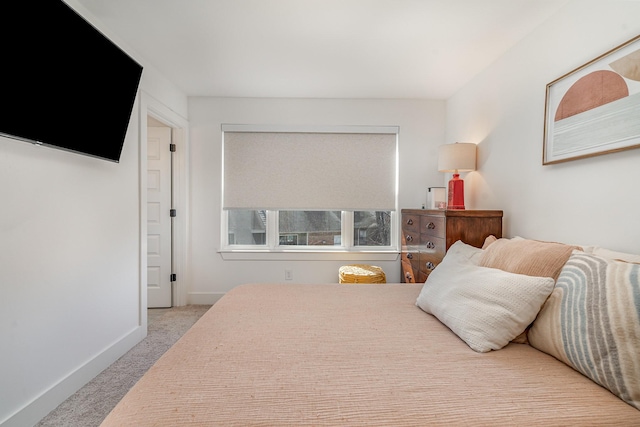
(150, 106)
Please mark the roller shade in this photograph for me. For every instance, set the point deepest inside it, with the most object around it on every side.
(309, 170)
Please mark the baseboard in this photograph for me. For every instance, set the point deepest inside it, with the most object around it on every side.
(33, 412)
(203, 298)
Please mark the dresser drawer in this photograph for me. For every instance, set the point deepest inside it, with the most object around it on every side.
(422, 276)
(408, 272)
(432, 251)
(432, 244)
(432, 226)
(428, 262)
(411, 223)
(410, 261)
(411, 257)
(410, 238)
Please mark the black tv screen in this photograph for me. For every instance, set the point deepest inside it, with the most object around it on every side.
(63, 83)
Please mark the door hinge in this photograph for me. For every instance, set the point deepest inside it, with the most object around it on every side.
(172, 148)
(172, 213)
(173, 277)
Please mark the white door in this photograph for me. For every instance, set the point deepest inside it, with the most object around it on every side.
(158, 217)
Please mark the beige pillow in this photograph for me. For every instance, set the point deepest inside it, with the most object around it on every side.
(485, 307)
(529, 257)
(489, 240)
(619, 256)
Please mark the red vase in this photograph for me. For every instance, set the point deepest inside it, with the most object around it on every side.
(456, 193)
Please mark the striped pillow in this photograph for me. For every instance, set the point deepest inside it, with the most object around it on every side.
(591, 322)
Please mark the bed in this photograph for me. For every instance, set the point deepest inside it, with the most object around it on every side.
(353, 355)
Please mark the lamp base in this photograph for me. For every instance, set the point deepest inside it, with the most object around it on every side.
(456, 193)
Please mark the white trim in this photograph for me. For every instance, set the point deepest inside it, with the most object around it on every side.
(142, 221)
(309, 129)
(180, 135)
(329, 255)
(346, 232)
(49, 399)
(273, 218)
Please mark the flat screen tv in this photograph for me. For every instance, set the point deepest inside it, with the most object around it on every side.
(63, 83)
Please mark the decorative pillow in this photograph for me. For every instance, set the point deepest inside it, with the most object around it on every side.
(591, 322)
(485, 307)
(464, 253)
(489, 240)
(524, 256)
(619, 256)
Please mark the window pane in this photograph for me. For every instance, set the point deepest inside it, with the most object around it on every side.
(247, 227)
(372, 228)
(310, 228)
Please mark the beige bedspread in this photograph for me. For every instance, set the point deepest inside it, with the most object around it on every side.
(352, 355)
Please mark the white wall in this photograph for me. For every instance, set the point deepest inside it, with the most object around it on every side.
(69, 254)
(590, 201)
(70, 300)
(421, 132)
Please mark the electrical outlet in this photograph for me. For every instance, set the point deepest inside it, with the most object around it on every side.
(288, 274)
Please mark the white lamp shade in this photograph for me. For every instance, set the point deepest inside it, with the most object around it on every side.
(458, 157)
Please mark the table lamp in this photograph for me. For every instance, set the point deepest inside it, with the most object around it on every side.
(458, 157)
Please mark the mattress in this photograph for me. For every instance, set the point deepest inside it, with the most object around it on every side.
(352, 355)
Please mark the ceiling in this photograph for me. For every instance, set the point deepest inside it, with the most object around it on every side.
(321, 48)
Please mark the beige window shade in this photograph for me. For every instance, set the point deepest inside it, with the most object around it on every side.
(310, 170)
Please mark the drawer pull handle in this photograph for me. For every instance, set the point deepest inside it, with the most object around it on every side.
(431, 226)
(430, 265)
(409, 238)
(431, 245)
(408, 276)
(409, 221)
(409, 256)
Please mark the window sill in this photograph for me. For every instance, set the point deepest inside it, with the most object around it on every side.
(292, 255)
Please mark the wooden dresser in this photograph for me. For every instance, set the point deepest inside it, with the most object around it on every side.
(427, 234)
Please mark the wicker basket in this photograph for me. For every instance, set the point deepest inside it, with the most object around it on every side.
(361, 273)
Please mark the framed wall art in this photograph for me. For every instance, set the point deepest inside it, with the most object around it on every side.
(594, 109)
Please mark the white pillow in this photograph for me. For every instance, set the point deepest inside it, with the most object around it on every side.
(485, 307)
(466, 254)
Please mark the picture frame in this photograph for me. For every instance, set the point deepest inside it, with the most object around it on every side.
(595, 108)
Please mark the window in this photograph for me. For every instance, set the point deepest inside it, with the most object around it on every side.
(247, 227)
(314, 190)
(310, 228)
(372, 228)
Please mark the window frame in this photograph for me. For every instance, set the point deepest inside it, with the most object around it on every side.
(347, 250)
(273, 250)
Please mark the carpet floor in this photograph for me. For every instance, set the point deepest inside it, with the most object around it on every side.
(93, 402)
